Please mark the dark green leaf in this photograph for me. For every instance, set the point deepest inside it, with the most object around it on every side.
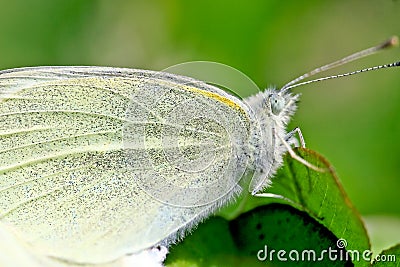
(389, 257)
(314, 212)
(320, 195)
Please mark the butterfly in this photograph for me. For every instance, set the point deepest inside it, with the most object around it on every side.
(100, 162)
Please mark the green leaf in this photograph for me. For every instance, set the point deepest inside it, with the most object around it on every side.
(254, 239)
(210, 244)
(284, 236)
(389, 257)
(321, 195)
(315, 214)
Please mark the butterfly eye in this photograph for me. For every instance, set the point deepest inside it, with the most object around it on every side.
(277, 103)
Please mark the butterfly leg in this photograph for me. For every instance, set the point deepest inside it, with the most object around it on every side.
(298, 158)
(289, 137)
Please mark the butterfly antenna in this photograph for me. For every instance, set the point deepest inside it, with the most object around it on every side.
(391, 65)
(393, 41)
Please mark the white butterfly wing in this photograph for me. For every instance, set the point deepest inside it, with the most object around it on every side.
(99, 162)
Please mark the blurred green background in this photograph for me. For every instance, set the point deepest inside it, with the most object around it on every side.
(353, 122)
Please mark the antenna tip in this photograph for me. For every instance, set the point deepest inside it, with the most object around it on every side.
(391, 42)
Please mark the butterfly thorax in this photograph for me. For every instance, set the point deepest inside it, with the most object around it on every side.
(272, 111)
